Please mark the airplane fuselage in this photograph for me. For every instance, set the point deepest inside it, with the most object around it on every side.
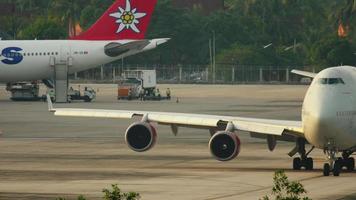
(31, 60)
(329, 109)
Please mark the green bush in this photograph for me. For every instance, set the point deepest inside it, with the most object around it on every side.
(284, 189)
(113, 194)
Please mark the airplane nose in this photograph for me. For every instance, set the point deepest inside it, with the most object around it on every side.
(319, 118)
(322, 123)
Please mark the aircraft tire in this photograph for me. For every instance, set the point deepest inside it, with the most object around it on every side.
(350, 164)
(337, 168)
(309, 164)
(326, 169)
(297, 163)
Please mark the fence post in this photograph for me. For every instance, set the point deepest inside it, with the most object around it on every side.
(233, 74)
(207, 74)
(287, 75)
(102, 72)
(261, 75)
(113, 74)
(180, 74)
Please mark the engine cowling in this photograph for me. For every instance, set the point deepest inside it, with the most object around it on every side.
(224, 146)
(141, 136)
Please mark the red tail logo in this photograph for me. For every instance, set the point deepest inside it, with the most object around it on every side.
(125, 19)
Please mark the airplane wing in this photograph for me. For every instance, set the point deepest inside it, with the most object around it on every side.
(304, 73)
(115, 49)
(175, 120)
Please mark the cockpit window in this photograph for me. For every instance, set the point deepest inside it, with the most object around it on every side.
(331, 81)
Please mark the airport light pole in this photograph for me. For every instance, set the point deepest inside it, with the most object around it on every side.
(211, 56)
(212, 51)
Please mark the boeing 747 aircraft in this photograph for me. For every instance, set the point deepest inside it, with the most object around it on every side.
(328, 123)
(117, 34)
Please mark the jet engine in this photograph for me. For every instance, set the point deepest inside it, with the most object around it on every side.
(224, 146)
(141, 136)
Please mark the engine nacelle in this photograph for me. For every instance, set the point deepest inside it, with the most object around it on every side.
(224, 146)
(141, 136)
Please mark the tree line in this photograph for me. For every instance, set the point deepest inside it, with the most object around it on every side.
(318, 33)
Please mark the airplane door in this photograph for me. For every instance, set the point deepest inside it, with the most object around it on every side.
(64, 54)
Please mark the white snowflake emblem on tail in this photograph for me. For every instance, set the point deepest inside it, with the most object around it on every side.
(127, 18)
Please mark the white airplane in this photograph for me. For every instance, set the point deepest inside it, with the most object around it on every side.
(117, 34)
(328, 123)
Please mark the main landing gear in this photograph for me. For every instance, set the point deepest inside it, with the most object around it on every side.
(335, 164)
(302, 161)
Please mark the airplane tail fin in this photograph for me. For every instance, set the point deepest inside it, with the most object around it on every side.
(125, 19)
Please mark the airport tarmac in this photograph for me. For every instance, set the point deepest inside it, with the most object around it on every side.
(44, 157)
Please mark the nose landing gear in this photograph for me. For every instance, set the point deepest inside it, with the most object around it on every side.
(335, 164)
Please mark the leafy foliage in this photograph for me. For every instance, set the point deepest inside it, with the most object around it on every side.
(116, 194)
(43, 29)
(302, 32)
(113, 194)
(284, 189)
(81, 197)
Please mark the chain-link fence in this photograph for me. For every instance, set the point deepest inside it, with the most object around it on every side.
(224, 74)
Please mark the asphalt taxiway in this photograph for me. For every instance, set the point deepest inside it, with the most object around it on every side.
(44, 157)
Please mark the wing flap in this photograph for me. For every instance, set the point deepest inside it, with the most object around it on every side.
(183, 119)
(94, 113)
(268, 129)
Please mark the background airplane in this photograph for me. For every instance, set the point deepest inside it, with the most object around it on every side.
(328, 123)
(118, 33)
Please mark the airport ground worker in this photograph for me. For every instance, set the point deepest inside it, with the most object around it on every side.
(141, 93)
(168, 93)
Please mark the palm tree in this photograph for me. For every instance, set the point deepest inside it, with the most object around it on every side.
(343, 15)
(69, 12)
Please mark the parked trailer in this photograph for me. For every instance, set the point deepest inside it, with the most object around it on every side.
(25, 91)
(139, 84)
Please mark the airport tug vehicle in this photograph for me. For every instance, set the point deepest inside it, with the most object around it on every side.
(88, 94)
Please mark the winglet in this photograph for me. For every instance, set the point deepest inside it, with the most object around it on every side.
(304, 73)
(50, 104)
